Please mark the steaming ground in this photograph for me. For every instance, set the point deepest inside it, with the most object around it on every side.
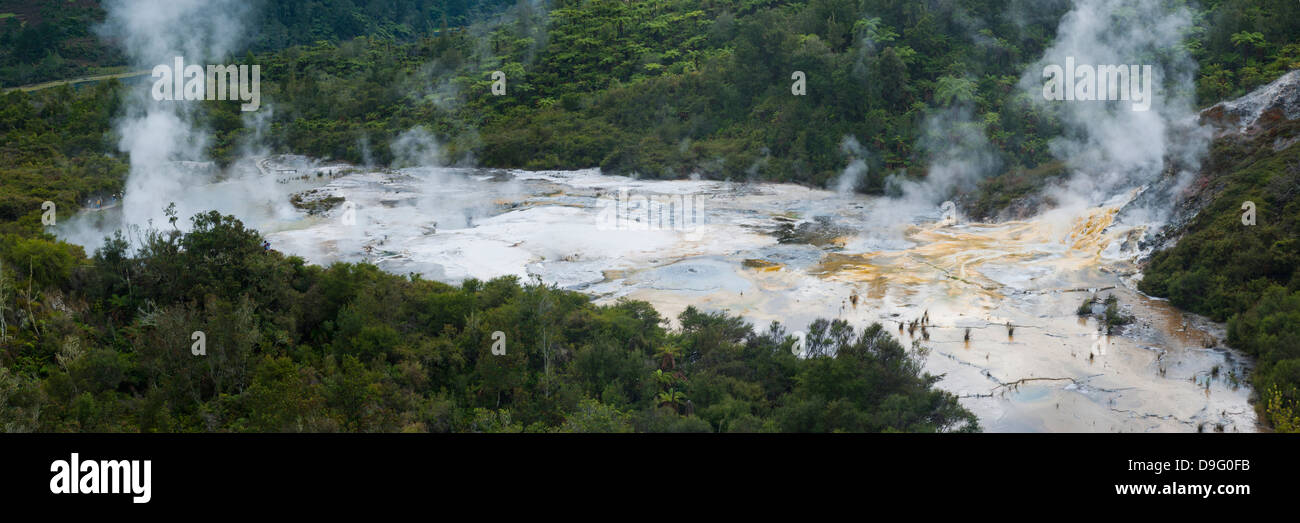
(1058, 372)
(770, 252)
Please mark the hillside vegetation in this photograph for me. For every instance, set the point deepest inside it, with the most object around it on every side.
(664, 88)
(106, 344)
(104, 341)
(1247, 275)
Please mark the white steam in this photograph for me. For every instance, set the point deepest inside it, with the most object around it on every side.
(416, 147)
(165, 146)
(1109, 147)
(960, 156)
(852, 175)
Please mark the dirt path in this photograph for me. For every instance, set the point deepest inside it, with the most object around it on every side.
(74, 81)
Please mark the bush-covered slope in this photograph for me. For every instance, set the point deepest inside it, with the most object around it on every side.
(105, 344)
(1247, 275)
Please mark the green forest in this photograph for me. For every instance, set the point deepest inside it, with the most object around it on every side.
(1246, 275)
(98, 342)
(56, 39)
(296, 347)
(656, 89)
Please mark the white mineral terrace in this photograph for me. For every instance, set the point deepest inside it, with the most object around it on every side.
(1167, 371)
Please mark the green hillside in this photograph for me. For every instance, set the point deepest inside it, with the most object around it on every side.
(662, 89)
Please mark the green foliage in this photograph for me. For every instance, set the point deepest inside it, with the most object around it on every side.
(292, 347)
(44, 262)
(1248, 275)
(55, 39)
(655, 88)
(1283, 410)
(50, 39)
(52, 143)
(1243, 44)
(871, 384)
(679, 87)
(1111, 317)
(663, 89)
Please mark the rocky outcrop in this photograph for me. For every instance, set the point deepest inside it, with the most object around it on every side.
(1265, 121)
(1259, 111)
